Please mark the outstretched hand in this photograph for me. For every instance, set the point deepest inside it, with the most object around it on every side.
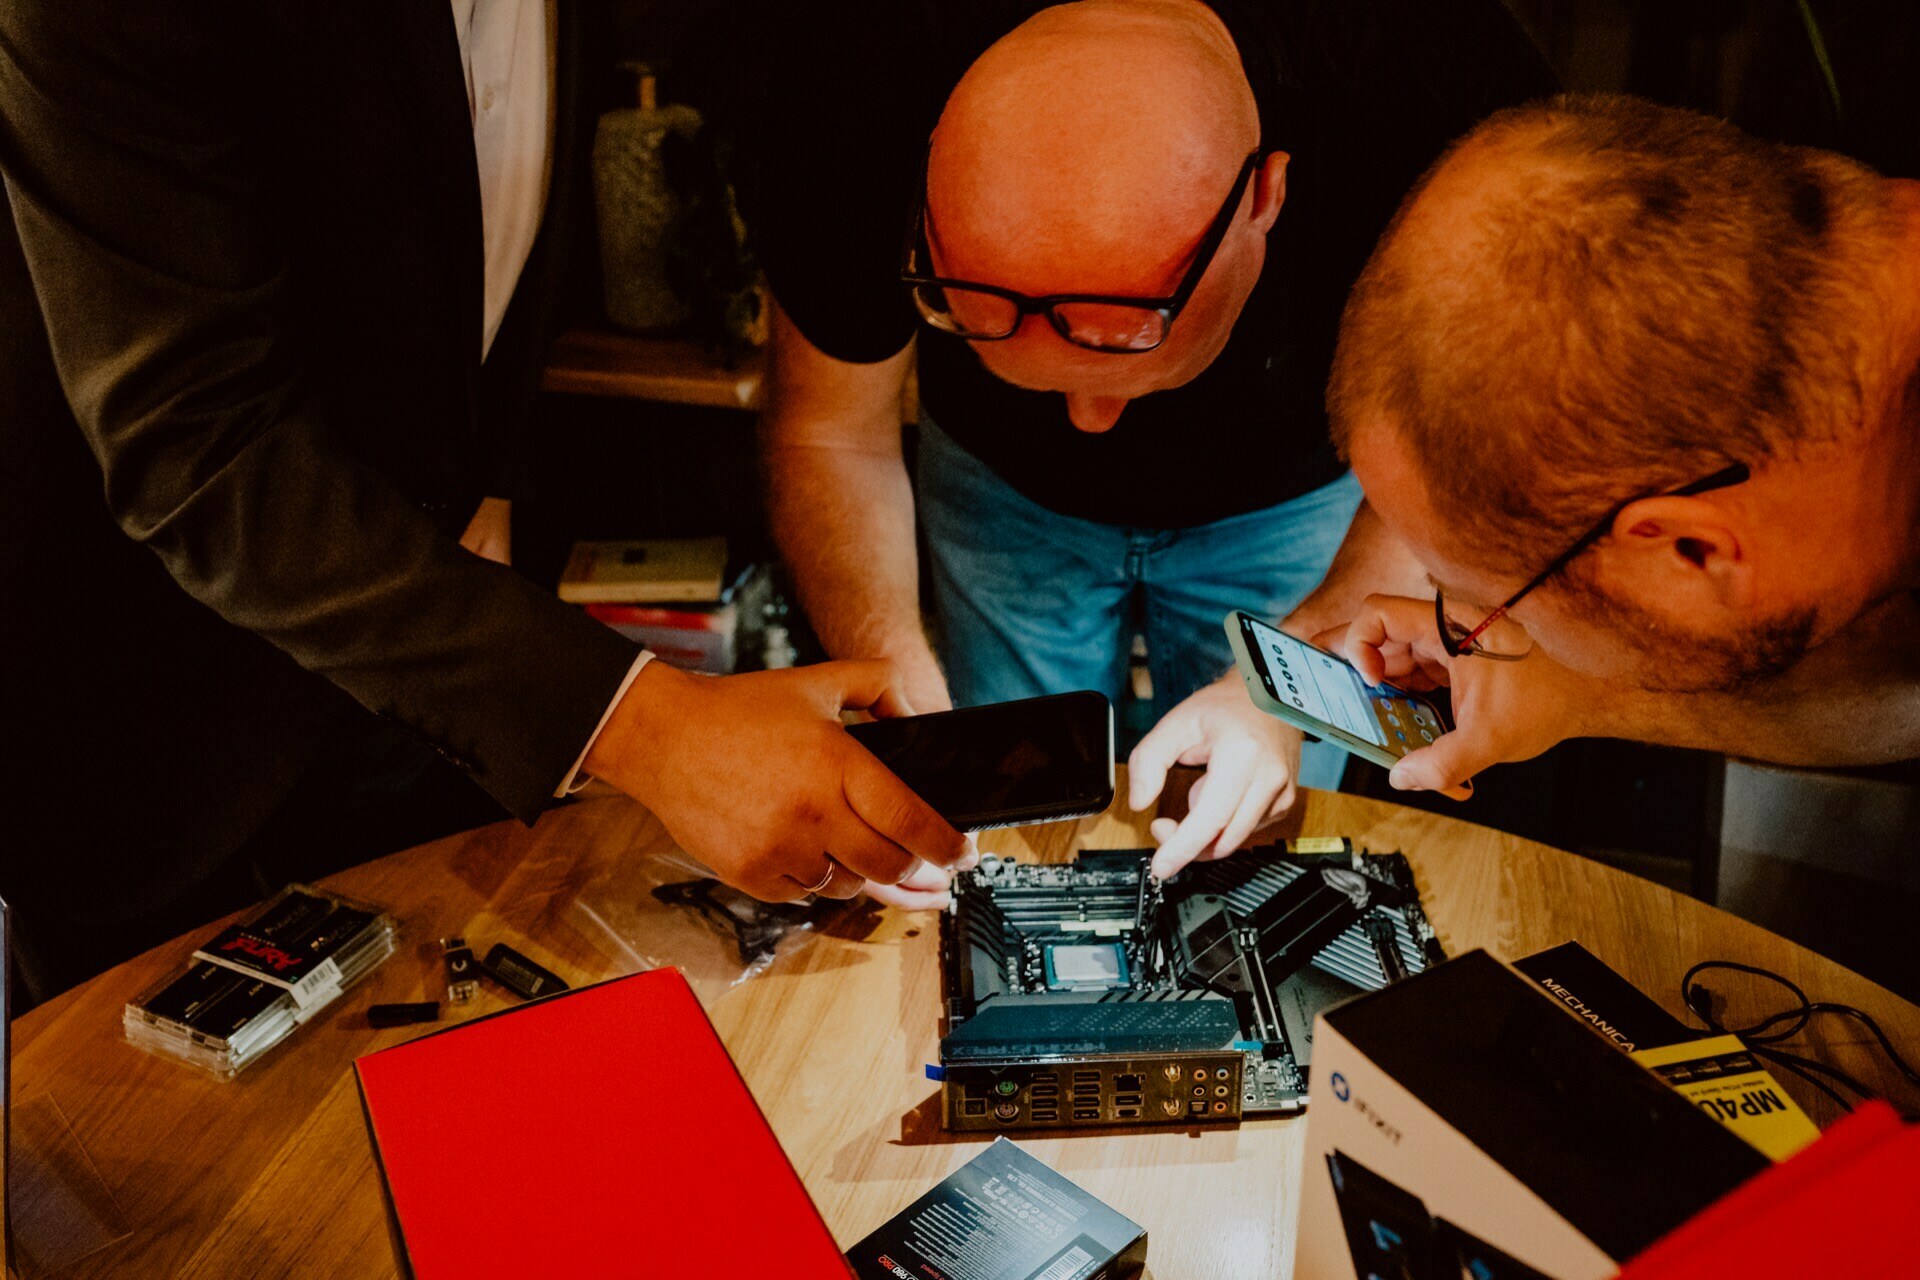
(1251, 760)
(754, 775)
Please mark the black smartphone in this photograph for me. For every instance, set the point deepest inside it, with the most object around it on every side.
(1003, 765)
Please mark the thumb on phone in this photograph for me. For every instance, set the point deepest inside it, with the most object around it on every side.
(1447, 766)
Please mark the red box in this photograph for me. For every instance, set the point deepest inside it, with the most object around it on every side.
(601, 1131)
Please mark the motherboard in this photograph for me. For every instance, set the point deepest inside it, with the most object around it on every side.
(1090, 993)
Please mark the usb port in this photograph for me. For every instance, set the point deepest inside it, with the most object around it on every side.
(1086, 1091)
(1039, 1116)
(1086, 1075)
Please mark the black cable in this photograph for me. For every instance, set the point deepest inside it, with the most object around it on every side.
(1764, 1036)
(1799, 1066)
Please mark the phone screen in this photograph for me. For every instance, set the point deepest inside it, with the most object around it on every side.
(1030, 760)
(1328, 689)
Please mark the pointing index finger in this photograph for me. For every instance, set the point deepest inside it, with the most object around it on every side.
(1214, 798)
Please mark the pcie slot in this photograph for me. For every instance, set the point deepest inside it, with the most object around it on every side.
(1016, 899)
(1266, 1013)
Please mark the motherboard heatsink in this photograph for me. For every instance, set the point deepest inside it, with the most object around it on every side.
(1090, 993)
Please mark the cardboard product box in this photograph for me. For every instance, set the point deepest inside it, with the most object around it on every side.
(1613, 1008)
(1003, 1216)
(1466, 1122)
(1717, 1073)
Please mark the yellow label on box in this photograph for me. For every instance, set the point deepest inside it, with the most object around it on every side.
(1721, 1076)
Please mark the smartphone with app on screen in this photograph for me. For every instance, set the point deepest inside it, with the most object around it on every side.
(1324, 696)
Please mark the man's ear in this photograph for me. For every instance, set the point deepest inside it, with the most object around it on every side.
(1683, 550)
(1269, 190)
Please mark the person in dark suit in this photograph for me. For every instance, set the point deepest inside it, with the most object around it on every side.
(275, 282)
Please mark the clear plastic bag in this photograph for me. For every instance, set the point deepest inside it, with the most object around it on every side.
(666, 909)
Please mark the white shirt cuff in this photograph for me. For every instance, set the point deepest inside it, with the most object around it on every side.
(575, 779)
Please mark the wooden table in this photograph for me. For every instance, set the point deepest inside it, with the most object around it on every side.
(272, 1175)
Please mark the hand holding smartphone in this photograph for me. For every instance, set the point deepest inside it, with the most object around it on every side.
(1323, 695)
(1004, 765)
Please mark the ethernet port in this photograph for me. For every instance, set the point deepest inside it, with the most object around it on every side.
(1126, 1082)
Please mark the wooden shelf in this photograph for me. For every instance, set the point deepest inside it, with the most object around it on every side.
(601, 362)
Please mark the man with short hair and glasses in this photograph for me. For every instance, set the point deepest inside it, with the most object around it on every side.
(1117, 234)
(1632, 395)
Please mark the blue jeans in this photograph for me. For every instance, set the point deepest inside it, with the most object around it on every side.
(1031, 602)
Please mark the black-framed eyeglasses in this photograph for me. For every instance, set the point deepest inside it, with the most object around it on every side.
(1099, 322)
(1512, 643)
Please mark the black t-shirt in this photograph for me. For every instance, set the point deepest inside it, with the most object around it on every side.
(1363, 94)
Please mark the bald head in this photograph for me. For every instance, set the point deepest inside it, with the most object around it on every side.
(1592, 297)
(1087, 152)
(1087, 149)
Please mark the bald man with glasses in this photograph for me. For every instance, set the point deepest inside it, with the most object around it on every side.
(1117, 235)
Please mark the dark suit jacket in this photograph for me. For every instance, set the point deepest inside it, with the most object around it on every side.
(244, 418)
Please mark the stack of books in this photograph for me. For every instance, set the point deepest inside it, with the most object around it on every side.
(680, 597)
